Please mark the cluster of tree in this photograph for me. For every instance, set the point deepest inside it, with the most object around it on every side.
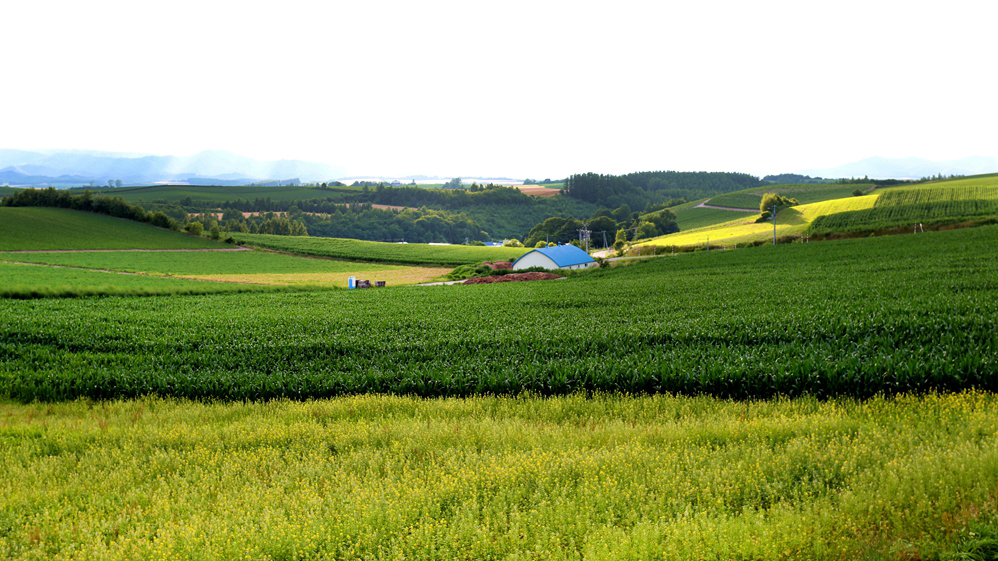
(86, 201)
(359, 221)
(792, 179)
(235, 221)
(407, 195)
(772, 203)
(164, 216)
(421, 225)
(604, 227)
(652, 187)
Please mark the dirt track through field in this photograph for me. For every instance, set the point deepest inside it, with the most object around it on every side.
(705, 205)
(133, 273)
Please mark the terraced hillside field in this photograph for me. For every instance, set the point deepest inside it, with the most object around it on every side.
(33, 228)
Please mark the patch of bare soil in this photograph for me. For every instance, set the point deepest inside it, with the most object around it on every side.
(539, 191)
(514, 277)
(497, 265)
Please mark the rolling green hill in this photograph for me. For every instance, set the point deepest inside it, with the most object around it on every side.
(33, 228)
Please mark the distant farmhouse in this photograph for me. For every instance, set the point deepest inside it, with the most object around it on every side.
(560, 257)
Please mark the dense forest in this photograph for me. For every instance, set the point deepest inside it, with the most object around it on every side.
(358, 221)
(654, 187)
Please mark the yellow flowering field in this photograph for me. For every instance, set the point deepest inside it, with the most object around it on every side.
(602, 477)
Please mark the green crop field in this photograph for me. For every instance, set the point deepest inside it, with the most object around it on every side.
(938, 203)
(856, 317)
(30, 228)
(689, 217)
(739, 199)
(256, 267)
(602, 478)
(358, 250)
(614, 434)
(27, 281)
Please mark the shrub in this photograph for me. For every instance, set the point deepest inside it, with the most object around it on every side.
(194, 228)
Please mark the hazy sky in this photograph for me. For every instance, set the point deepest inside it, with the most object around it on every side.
(521, 89)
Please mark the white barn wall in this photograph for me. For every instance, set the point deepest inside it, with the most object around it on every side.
(535, 259)
(538, 259)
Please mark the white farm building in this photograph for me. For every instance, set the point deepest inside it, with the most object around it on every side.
(560, 257)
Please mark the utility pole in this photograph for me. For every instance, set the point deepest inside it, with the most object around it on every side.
(604, 240)
(584, 236)
(774, 224)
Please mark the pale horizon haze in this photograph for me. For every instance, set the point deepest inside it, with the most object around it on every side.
(514, 89)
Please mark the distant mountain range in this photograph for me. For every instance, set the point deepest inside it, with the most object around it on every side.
(80, 167)
(907, 168)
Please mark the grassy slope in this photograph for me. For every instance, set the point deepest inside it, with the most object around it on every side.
(28, 281)
(688, 217)
(609, 478)
(29, 228)
(342, 248)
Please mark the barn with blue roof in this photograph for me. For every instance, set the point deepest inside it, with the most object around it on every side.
(559, 257)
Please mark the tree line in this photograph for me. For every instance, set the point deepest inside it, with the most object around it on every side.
(120, 208)
(654, 187)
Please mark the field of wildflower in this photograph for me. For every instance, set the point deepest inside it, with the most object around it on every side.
(572, 477)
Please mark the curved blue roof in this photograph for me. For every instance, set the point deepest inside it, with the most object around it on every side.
(562, 255)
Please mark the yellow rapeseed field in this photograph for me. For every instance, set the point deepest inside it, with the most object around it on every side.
(606, 477)
(790, 221)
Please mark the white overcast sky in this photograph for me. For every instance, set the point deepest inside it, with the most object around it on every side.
(520, 89)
